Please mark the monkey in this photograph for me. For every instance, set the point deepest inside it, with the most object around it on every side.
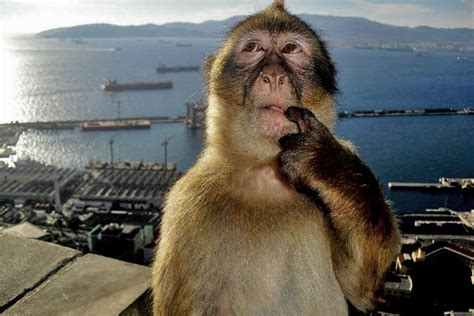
(277, 216)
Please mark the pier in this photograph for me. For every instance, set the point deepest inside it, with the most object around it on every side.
(407, 112)
(195, 113)
(195, 116)
(444, 184)
(71, 124)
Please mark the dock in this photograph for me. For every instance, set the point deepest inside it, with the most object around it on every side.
(115, 125)
(444, 184)
(195, 117)
(71, 124)
(407, 112)
(11, 132)
(196, 113)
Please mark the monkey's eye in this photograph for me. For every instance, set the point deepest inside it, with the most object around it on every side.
(291, 48)
(252, 47)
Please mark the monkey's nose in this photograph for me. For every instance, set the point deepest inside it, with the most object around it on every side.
(274, 77)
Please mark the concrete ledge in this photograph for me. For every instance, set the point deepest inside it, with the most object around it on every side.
(84, 285)
(25, 263)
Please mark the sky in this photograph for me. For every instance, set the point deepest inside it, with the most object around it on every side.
(31, 16)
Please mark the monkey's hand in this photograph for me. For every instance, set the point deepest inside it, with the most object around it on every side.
(313, 154)
(364, 237)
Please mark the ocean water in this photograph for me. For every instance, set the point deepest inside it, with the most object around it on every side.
(49, 79)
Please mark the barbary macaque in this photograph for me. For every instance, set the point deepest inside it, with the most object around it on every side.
(277, 216)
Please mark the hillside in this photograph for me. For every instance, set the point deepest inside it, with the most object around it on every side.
(340, 30)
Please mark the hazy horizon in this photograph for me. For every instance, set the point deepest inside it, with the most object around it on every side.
(33, 16)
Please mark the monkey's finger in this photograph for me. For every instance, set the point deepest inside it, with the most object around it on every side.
(304, 118)
(296, 141)
(290, 141)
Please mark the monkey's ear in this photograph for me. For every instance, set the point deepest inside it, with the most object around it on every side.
(278, 5)
(207, 66)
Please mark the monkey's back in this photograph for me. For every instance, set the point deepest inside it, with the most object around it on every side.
(219, 254)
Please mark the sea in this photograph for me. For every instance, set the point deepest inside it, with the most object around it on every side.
(53, 79)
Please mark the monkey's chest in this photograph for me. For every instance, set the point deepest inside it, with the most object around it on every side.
(282, 267)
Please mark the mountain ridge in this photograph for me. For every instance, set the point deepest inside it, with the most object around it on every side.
(340, 30)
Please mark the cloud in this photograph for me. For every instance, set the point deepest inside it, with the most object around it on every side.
(8, 7)
(434, 13)
(37, 15)
(468, 4)
(391, 9)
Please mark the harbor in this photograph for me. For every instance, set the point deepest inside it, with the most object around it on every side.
(195, 115)
(11, 132)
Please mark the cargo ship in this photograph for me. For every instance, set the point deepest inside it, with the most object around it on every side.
(164, 68)
(387, 48)
(113, 85)
(6, 152)
(114, 125)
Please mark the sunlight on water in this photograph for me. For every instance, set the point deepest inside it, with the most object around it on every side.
(8, 84)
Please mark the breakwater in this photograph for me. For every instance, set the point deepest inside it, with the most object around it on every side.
(407, 112)
(71, 124)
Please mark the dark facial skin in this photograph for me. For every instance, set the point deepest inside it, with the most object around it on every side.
(272, 72)
(276, 66)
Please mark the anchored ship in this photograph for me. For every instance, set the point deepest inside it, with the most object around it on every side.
(113, 85)
(164, 68)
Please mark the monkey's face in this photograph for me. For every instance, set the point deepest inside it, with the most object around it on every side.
(276, 70)
(269, 62)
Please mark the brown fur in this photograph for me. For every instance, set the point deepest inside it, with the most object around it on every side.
(247, 234)
(365, 232)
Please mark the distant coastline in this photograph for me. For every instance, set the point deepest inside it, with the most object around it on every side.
(340, 31)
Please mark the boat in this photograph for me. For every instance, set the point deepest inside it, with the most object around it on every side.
(164, 68)
(464, 58)
(6, 152)
(386, 47)
(114, 125)
(113, 85)
(79, 41)
(184, 44)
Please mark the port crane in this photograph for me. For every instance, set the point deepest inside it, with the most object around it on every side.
(165, 144)
(111, 144)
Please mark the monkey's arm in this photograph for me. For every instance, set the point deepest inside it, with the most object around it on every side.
(365, 236)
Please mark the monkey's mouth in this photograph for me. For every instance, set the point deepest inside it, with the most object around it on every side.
(274, 108)
(273, 121)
